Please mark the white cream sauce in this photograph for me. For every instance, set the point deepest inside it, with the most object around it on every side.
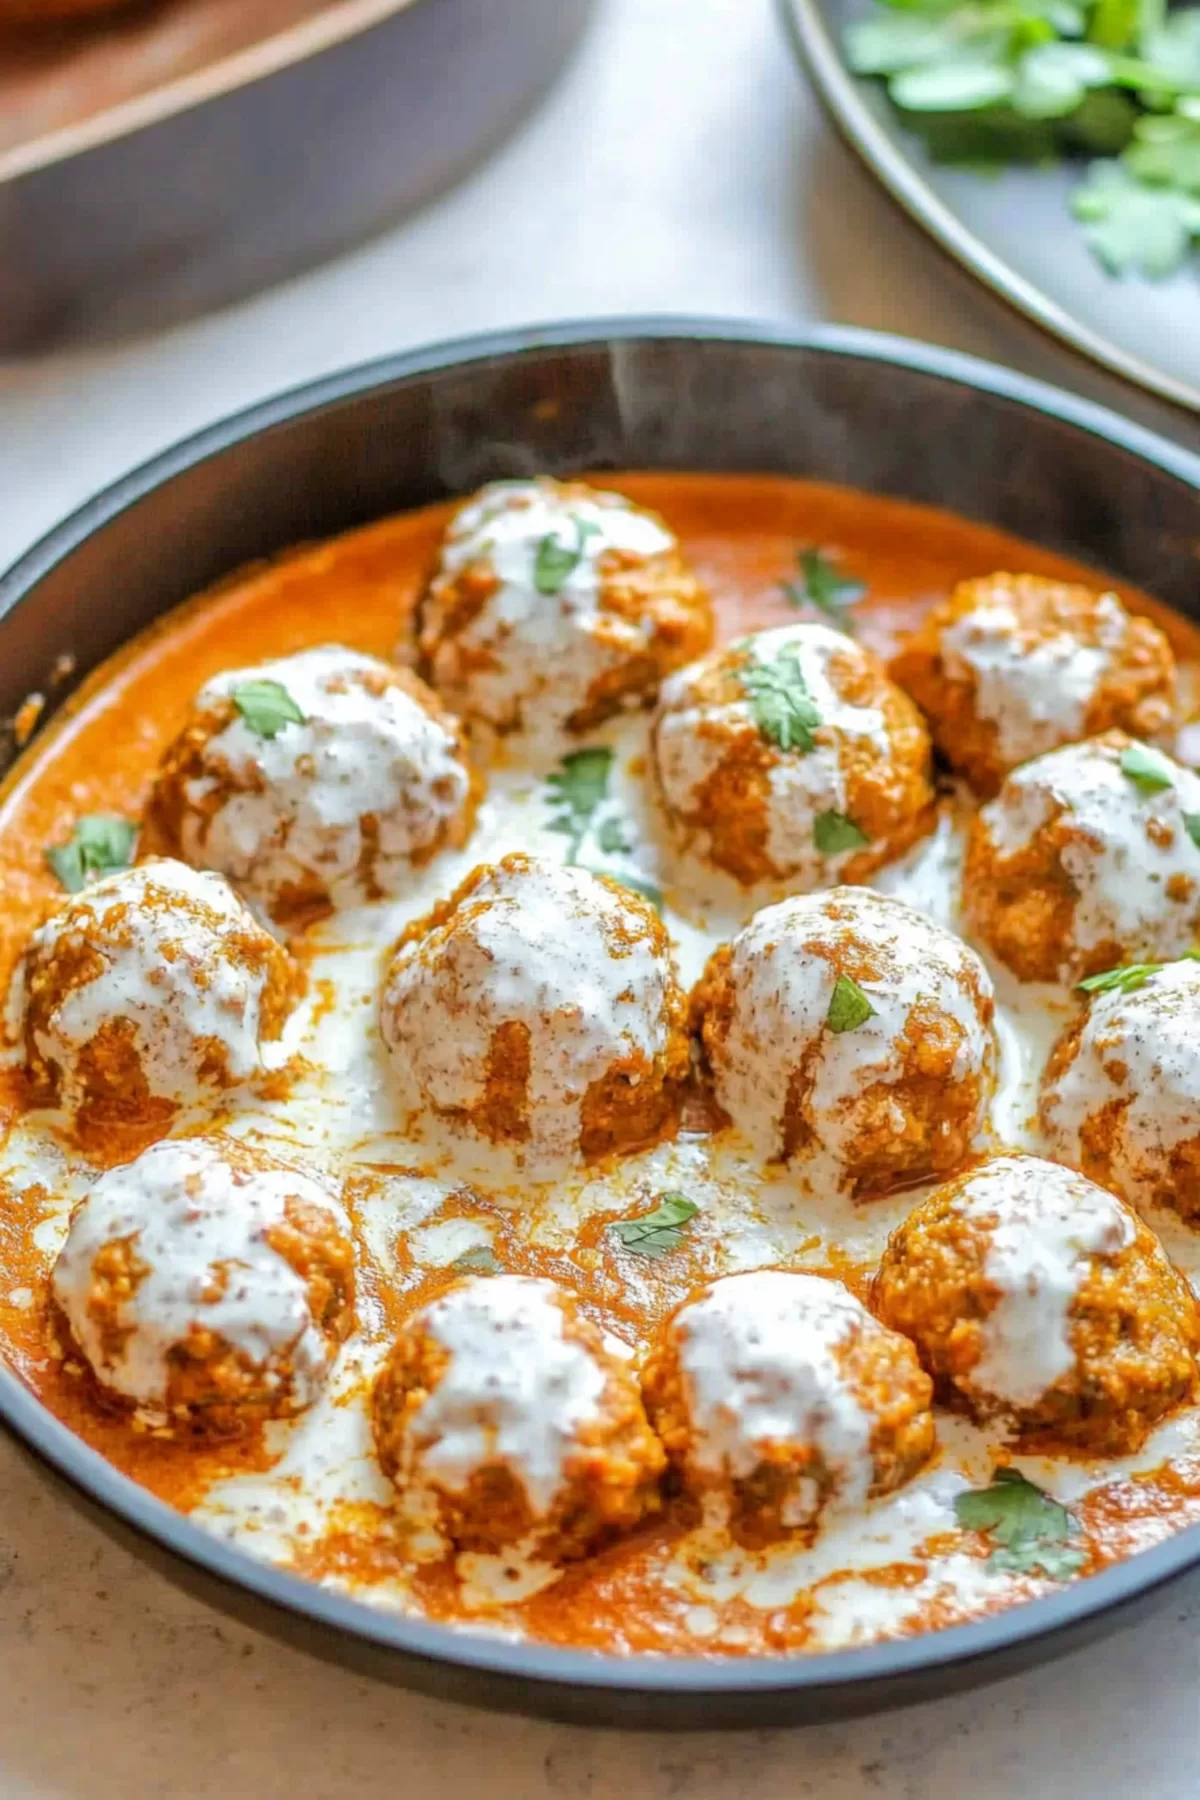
(759, 1355)
(530, 658)
(162, 932)
(693, 737)
(344, 1115)
(515, 1390)
(1044, 1225)
(1124, 847)
(296, 802)
(1035, 690)
(199, 1228)
(783, 986)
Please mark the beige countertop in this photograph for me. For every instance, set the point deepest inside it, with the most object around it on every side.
(680, 166)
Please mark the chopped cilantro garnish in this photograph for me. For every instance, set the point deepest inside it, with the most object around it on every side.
(1149, 772)
(779, 698)
(556, 560)
(577, 787)
(100, 844)
(1031, 1531)
(654, 1233)
(848, 1006)
(819, 585)
(1130, 976)
(266, 707)
(834, 832)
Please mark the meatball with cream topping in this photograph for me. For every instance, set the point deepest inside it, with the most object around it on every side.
(316, 782)
(1085, 860)
(790, 757)
(849, 1034)
(151, 989)
(539, 1007)
(205, 1282)
(1039, 1301)
(555, 604)
(1121, 1092)
(1011, 666)
(777, 1393)
(502, 1418)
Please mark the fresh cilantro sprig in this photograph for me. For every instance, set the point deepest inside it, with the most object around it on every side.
(656, 1232)
(1149, 772)
(783, 708)
(1129, 977)
(1032, 1532)
(819, 585)
(266, 706)
(99, 845)
(834, 832)
(577, 788)
(555, 560)
(1029, 81)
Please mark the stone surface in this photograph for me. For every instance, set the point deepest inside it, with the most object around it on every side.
(680, 166)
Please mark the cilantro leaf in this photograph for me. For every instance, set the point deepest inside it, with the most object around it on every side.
(266, 707)
(100, 844)
(1132, 226)
(480, 1259)
(1031, 1531)
(1147, 770)
(611, 838)
(821, 586)
(654, 1233)
(555, 561)
(834, 832)
(780, 701)
(848, 1006)
(1191, 824)
(578, 786)
(964, 82)
(1052, 79)
(1130, 976)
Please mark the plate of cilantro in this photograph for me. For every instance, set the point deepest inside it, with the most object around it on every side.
(1052, 146)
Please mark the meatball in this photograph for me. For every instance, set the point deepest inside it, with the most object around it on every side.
(539, 1007)
(1121, 1092)
(790, 756)
(1037, 1300)
(316, 782)
(1085, 860)
(777, 1393)
(848, 1032)
(151, 989)
(205, 1282)
(1014, 665)
(501, 1416)
(554, 605)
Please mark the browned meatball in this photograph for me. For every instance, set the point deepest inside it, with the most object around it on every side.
(319, 781)
(851, 1036)
(207, 1283)
(1038, 1300)
(790, 756)
(777, 1393)
(1121, 1092)
(505, 1421)
(1012, 666)
(149, 990)
(539, 1007)
(1086, 860)
(555, 604)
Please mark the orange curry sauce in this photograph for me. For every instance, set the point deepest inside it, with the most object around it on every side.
(100, 753)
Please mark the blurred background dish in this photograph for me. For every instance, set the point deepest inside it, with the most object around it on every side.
(1011, 228)
(173, 157)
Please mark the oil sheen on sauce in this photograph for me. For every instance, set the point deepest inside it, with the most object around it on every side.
(309, 1493)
